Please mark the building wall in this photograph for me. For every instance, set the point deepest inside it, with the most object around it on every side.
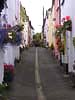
(17, 10)
(12, 12)
(50, 29)
(56, 12)
(68, 10)
(55, 23)
(32, 33)
(26, 32)
(53, 28)
(29, 34)
(46, 30)
(1, 65)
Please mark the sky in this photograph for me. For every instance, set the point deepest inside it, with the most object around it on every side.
(34, 9)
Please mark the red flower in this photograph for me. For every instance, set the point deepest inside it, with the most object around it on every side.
(67, 18)
(5, 66)
(9, 67)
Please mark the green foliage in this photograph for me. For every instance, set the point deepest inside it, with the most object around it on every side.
(59, 31)
(2, 88)
(74, 41)
(52, 46)
(23, 14)
(37, 36)
(37, 39)
(67, 25)
(20, 27)
(61, 47)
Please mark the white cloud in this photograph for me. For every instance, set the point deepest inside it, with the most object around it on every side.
(34, 10)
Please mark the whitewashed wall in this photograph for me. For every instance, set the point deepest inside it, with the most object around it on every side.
(9, 50)
(12, 12)
(17, 11)
(32, 33)
(26, 32)
(50, 26)
(1, 65)
(46, 30)
(68, 9)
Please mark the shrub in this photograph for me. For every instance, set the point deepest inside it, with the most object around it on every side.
(52, 46)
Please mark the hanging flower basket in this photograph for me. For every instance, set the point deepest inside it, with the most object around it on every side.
(59, 30)
(10, 37)
(67, 25)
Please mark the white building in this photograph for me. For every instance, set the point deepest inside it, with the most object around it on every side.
(1, 65)
(48, 27)
(26, 36)
(46, 30)
(10, 17)
(67, 9)
(11, 12)
(32, 33)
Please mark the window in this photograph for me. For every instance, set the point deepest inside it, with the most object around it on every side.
(62, 2)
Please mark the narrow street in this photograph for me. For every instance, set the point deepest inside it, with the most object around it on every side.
(37, 50)
(38, 77)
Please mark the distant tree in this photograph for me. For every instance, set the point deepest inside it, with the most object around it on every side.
(23, 14)
(37, 36)
(37, 39)
(34, 37)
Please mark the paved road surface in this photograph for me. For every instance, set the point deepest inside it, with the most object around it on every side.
(38, 77)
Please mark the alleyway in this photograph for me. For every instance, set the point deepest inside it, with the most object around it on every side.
(38, 77)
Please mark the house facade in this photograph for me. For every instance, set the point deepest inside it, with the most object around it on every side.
(56, 23)
(63, 12)
(11, 13)
(50, 27)
(10, 17)
(67, 8)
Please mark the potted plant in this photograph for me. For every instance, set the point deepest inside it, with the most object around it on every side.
(67, 23)
(52, 46)
(10, 37)
(61, 47)
(8, 73)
